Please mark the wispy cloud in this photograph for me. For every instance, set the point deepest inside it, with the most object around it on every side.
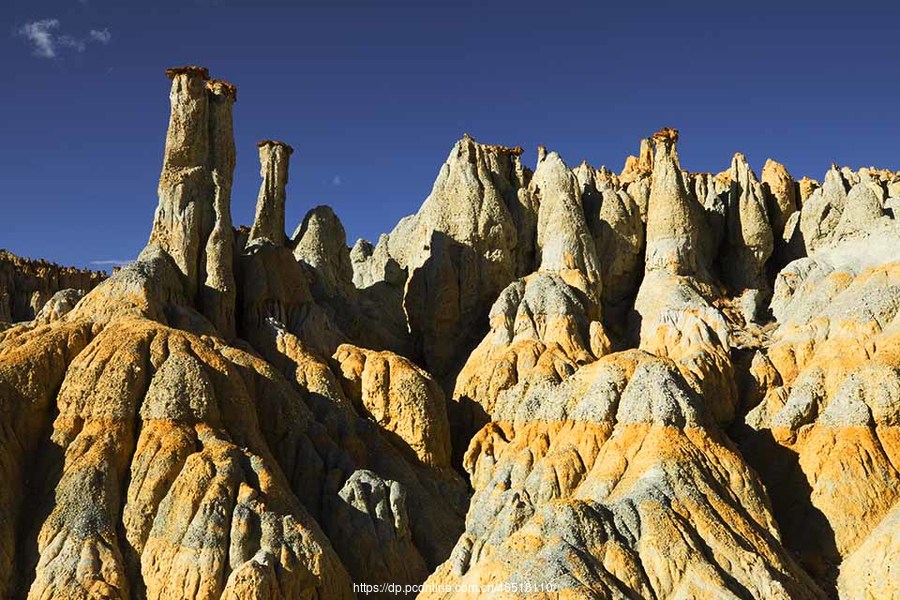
(47, 40)
(100, 35)
(337, 180)
(40, 34)
(110, 263)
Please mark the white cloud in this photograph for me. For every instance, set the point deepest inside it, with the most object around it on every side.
(44, 36)
(336, 180)
(101, 35)
(40, 34)
(110, 263)
(67, 41)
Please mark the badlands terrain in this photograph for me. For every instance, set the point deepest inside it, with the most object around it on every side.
(563, 382)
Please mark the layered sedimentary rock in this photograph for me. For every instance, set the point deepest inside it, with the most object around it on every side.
(26, 285)
(824, 431)
(660, 384)
(614, 483)
(677, 310)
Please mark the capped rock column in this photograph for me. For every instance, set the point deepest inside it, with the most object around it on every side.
(674, 220)
(185, 184)
(273, 168)
(218, 294)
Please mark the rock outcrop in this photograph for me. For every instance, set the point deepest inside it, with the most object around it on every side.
(659, 384)
(473, 236)
(749, 240)
(782, 192)
(402, 398)
(27, 285)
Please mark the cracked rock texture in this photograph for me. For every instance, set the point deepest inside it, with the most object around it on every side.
(568, 383)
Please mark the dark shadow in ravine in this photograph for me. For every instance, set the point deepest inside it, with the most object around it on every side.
(805, 530)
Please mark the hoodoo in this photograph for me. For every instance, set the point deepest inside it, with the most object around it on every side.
(559, 383)
(274, 159)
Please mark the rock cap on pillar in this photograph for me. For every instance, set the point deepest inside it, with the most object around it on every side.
(261, 143)
(201, 72)
(220, 87)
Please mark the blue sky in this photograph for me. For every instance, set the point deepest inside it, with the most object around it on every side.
(373, 95)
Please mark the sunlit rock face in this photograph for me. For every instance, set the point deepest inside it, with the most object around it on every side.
(551, 383)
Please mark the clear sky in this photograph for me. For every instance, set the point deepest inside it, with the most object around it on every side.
(373, 95)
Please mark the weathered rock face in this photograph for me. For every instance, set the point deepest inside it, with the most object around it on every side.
(824, 432)
(217, 299)
(174, 465)
(185, 185)
(399, 396)
(822, 210)
(637, 167)
(782, 191)
(321, 243)
(613, 483)
(471, 238)
(564, 243)
(687, 385)
(27, 285)
(614, 220)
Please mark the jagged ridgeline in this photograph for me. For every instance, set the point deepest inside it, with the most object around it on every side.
(571, 382)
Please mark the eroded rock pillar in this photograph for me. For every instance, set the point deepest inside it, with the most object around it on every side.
(185, 184)
(274, 158)
(218, 294)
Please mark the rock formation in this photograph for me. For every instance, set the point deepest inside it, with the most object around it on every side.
(659, 384)
(274, 158)
(782, 195)
(674, 220)
(192, 223)
(27, 285)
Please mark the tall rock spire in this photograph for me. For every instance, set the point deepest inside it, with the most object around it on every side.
(192, 223)
(749, 241)
(674, 219)
(185, 185)
(218, 293)
(274, 158)
(564, 242)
